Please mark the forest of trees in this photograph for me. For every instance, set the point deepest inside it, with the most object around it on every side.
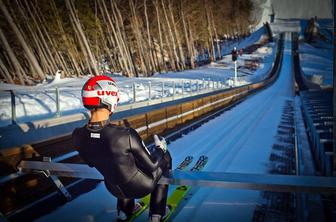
(134, 37)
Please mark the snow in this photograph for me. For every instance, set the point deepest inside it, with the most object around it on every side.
(39, 102)
(263, 12)
(316, 58)
(255, 37)
(239, 140)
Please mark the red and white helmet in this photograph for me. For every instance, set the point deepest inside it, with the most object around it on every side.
(100, 92)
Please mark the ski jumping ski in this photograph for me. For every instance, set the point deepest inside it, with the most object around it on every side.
(178, 196)
(144, 202)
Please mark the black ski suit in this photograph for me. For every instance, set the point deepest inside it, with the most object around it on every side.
(129, 169)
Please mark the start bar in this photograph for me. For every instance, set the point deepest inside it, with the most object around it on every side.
(270, 182)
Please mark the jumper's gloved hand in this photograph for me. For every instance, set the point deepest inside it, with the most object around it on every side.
(160, 144)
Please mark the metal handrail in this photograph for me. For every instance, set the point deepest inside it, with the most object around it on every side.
(174, 96)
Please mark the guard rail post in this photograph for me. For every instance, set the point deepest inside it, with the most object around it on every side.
(58, 108)
(182, 88)
(162, 92)
(149, 91)
(13, 106)
(197, 87)
(190, 83)
(174, 89)
(134, 93)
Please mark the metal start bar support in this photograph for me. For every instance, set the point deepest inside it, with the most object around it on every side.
(49, 174)
(270, 182)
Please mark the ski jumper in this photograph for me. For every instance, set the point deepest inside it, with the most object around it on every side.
(129, 169)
